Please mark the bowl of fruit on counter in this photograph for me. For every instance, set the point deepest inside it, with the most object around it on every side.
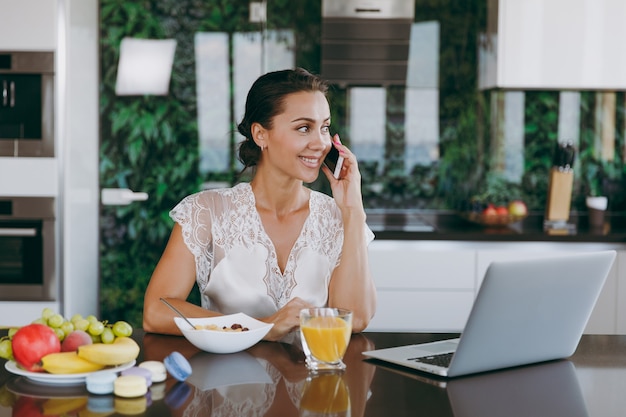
(494, 214)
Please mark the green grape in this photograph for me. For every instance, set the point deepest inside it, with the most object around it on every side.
(91, 318)
(59, 332)
(55, 321)
(40, 321)
(67, 327)
(76, 317)
(12, 331)
(107, 335)
(46, 313)
(95, 339)
(96, 328)
(122, 329)
(6, 351)
(82, 324)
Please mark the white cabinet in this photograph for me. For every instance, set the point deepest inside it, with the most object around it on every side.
(28, 25)
(554, 44)
(427, 286)
(421, 287)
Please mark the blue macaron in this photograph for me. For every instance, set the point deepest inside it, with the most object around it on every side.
(177, 366)
(100, 382)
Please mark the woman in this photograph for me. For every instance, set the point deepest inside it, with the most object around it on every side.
(271, 247)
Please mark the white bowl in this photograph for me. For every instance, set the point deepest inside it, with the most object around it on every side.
(219, 341)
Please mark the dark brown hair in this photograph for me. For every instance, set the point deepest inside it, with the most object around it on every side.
(266, 99)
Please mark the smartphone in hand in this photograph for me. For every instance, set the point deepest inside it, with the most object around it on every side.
(334, 161)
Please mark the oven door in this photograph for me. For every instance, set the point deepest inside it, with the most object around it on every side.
(26, 261)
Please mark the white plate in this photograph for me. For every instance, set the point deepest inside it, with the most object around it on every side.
(59, 379)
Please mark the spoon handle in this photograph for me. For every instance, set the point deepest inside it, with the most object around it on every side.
(177, 312)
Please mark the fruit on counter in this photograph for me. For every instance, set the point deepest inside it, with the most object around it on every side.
(502, 211)
(31, 343)
(122, 350)
(74, 340)
(68, 363)
(490, 211)
(518, 208)
(6, 351)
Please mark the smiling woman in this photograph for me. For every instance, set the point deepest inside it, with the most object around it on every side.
(271, 247)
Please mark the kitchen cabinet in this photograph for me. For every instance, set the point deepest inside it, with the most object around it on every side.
(425, 287)
(430, 286)
(553, 45)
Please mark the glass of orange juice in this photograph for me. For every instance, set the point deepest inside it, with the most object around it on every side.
(325, 336)
(325, 395)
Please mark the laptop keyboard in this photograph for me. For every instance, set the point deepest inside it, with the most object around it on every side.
(442, 360)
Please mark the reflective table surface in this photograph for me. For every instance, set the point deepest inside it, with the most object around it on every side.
(270, 379)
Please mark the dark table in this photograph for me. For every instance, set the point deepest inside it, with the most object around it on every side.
(270, 379)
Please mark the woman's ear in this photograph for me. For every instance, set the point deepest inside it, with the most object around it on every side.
(259, 135)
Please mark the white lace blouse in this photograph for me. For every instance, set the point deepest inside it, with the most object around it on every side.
(236, 264)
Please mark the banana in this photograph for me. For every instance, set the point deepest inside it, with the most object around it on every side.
(122, 350)
(68, 363)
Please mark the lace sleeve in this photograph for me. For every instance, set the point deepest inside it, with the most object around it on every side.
(193, 214)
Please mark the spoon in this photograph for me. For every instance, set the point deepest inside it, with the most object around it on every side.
(178, 312)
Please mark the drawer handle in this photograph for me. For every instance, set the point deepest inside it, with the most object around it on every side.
(17, 232)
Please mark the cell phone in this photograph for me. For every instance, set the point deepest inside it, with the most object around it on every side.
(334, 161)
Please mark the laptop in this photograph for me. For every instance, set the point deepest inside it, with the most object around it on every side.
(526, 312)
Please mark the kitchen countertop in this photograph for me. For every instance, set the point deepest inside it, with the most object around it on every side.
(270, 379)
(448, 225)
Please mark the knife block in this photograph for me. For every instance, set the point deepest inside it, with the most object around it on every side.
(559, 195)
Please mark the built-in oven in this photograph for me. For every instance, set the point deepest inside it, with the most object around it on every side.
(27, 249)
(27, 103)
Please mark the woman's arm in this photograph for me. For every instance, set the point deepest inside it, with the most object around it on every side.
(172, 279)
(351, 285)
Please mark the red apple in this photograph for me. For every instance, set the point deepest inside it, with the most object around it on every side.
(74, 340)
(518, 208)
(502, 211)
(490, 211)
(31, 343)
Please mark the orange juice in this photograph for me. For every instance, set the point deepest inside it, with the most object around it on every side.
(325, 394)
(327, 337)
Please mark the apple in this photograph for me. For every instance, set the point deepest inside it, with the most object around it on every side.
(31, 343)
(490, 211)
(74, 340)
(518, 208)
(502, 211)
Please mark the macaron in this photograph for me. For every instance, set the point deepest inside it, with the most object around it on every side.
(157, 369)
(177, 366)
(101, 382)
(135, 370)
(130, 386)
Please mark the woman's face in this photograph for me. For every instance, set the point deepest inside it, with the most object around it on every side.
(300, 136)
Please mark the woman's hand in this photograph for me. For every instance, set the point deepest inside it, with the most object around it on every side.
(347, 188)
(285, 320)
